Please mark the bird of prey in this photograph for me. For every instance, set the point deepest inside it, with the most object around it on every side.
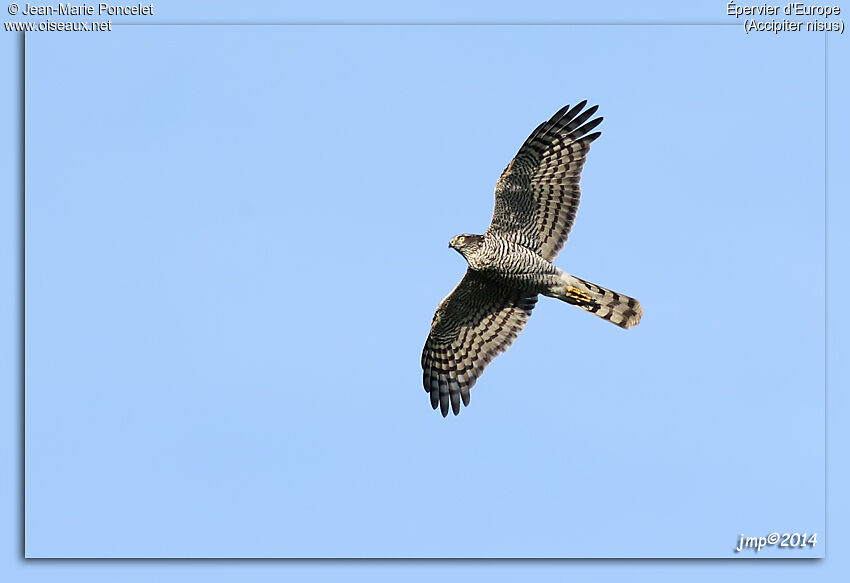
(537, 196)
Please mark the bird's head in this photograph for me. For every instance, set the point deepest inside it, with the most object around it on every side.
(466, 244)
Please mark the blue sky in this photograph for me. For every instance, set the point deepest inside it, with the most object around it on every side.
(236, 237)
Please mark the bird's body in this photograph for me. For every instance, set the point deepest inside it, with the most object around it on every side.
(511, 264)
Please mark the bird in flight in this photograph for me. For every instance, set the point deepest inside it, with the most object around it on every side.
(537, 196)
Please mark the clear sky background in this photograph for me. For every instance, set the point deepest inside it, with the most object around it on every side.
(236, 238)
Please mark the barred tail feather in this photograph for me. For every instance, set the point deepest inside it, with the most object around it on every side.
(618, 309)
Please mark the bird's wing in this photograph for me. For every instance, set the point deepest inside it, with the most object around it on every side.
(537, 194)
(477, 321)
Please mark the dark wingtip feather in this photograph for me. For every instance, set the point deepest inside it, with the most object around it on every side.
(560, 112)
(574, 111)
(578, 132)
(590, 137)
(444, 404)
(455, 398)
(574, 126)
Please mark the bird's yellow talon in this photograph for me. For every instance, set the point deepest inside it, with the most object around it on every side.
(577, 294)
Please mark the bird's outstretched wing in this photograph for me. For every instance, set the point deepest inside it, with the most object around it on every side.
(537, 194)
(475, 322)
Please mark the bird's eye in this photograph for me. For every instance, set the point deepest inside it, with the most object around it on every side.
(461, 239)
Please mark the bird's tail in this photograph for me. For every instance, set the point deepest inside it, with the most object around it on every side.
(618, 309)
